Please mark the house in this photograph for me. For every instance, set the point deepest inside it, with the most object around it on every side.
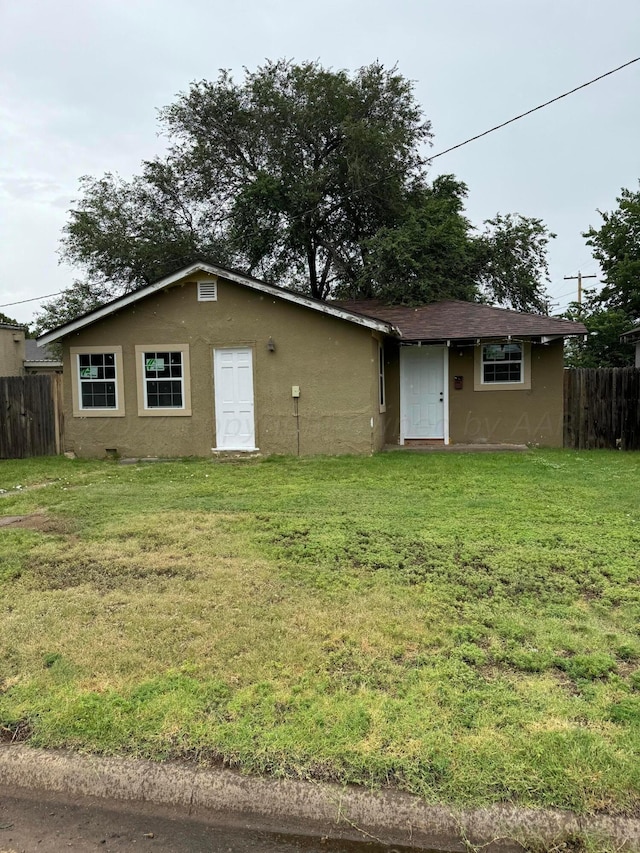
(633, 337)
(40, 359)
(209, 360)
(19, 355)
(11, 350)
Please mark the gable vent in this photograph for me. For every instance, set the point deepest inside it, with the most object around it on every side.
(207, 291)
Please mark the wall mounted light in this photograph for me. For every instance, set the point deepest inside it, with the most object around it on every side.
(271, 346)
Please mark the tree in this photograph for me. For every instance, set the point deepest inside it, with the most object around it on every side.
(427, 254)
(616, 308)
(8, 320)
(75, 301)
(285, 175)
(616, 246)
(602, 347)
(302, 176)
(513, 266)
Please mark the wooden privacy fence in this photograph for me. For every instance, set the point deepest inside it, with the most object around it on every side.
(602, 408)
(31, 420)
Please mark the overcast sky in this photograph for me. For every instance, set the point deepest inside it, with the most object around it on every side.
(80, 82)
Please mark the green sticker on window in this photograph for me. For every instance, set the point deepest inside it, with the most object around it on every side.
(88, 373)
(154, 364)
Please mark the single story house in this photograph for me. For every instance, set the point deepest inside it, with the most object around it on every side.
(19, 355)
(633, 337)
(210, 360)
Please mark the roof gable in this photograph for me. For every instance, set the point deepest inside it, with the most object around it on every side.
(333, 310)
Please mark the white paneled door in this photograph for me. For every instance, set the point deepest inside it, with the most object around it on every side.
(422, 392)
(233, 387)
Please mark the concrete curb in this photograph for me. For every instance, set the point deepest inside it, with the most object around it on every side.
(389, 817)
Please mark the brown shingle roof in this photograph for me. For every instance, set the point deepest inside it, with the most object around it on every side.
(456, 320)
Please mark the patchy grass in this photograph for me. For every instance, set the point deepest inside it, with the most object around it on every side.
(463, 627)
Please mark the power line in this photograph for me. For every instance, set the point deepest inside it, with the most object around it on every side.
(539, 107)
(429, 159)
(394, 172)
(35, 299)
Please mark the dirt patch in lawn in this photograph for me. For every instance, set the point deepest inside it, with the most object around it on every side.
(40, 522)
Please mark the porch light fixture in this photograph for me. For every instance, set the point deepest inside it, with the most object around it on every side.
(271, 346)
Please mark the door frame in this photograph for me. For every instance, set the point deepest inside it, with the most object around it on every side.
(251, 350)
(445, 388)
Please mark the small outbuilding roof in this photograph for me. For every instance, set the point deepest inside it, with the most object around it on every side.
(457, 320)
(39, 354)
(632, 335)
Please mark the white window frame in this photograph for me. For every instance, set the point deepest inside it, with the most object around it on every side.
(171, 411)
(522, 384)
(79, 411)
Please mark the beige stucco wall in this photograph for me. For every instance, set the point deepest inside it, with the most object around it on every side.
(493, 416)
(334, 363)
(508, 416)
(11, 352)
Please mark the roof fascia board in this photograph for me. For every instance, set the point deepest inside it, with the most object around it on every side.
(289, 296)
(45, 363)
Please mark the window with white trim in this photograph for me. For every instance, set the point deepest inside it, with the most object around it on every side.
(96, 381)
(162, 373)
(502, 363)
(163, 380)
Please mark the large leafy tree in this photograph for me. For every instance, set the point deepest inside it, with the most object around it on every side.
(603, 347)
(300, 175)
(428, 253)
(616, 246)
(285, 175)
(616, 308)
(512, 264)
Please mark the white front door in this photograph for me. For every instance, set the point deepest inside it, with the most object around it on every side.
(422, 392)
(233, 387)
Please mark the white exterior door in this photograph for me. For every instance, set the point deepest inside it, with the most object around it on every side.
(422, 392)
(233, 387)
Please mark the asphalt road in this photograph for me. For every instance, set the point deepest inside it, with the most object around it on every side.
(34, 823)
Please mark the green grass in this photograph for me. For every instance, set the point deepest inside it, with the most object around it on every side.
(463, 627)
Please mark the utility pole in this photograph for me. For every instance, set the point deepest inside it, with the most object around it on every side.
(579, 277)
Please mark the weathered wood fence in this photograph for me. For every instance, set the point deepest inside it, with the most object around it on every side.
(602, 408)
(31, 418)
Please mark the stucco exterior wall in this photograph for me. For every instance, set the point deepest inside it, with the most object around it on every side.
(11, 352)
(334, 363)
(500, 416)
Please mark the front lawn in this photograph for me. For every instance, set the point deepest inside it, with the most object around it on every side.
(463, 627)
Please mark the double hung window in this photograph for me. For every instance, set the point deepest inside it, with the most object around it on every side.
(502, 363)
(162, 372)
(97, 381)
(163, 380)
(97, 376)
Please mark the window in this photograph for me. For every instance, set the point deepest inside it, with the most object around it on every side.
(502, 363)
(163, 379)
(381, 389)
(502, 366)
(97, 381)
(97, 373)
